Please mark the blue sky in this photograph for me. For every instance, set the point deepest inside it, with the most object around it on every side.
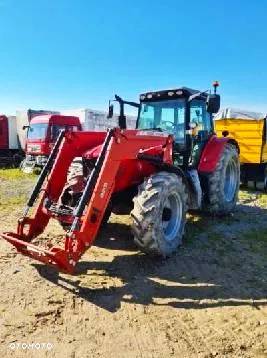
(57, 54)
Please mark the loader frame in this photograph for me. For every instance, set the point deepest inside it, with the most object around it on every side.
(118, 145)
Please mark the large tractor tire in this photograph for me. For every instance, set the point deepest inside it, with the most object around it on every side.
(159, 214)
(223, 183)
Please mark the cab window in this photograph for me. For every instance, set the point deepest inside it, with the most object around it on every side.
(167, 116)
(200, 116)
(57, 128)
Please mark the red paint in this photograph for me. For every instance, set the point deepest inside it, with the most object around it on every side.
(4, 141)
(121, 169)
(211, 154)
(93, 153)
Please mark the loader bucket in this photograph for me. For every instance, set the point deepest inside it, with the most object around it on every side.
(56, 257)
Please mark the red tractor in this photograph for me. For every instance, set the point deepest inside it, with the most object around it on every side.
(171, 163)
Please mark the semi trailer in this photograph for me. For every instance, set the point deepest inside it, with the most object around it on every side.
(11, 152)
(249, 129)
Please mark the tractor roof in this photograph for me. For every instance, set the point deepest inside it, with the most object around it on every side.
(171, 93)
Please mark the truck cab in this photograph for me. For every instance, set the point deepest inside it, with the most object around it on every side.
(43, 132)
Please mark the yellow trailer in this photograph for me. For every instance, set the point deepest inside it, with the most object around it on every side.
(249, 130)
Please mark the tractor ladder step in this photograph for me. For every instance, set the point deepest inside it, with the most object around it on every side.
(61, 210)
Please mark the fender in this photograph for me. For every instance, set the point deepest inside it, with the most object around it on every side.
(212, 152)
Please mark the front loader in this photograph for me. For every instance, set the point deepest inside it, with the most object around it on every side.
(171, 163)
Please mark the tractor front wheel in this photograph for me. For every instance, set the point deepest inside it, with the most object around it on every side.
(223, 183)
(159, 214)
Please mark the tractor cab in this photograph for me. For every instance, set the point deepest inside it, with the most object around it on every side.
(184, 113)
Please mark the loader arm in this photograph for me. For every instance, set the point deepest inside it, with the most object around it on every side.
(117, 146)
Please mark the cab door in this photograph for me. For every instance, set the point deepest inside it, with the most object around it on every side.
(4, 132)
(202, 129)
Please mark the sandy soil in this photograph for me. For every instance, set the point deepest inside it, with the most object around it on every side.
(208, 300)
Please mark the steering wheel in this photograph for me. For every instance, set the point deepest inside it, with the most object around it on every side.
(173, 125)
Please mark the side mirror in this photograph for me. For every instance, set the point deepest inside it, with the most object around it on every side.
(213, 103)
(110, 111)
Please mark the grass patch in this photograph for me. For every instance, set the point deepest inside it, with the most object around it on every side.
(198, 226)
(245, 194)
(194, 227)
(13, 202)
(257, 240)
(13, 174)
(263, 200)
(15, 187)
(250, 196)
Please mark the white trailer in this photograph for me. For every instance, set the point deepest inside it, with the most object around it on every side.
(10, 149)
(13, 139)
(94, 120)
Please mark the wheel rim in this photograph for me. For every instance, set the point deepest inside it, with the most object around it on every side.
(172, 214)
(231, 179)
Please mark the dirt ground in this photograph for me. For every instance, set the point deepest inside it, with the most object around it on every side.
(208, 300)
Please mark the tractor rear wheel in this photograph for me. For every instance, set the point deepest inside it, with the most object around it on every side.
(223, 183)
(159, 214)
